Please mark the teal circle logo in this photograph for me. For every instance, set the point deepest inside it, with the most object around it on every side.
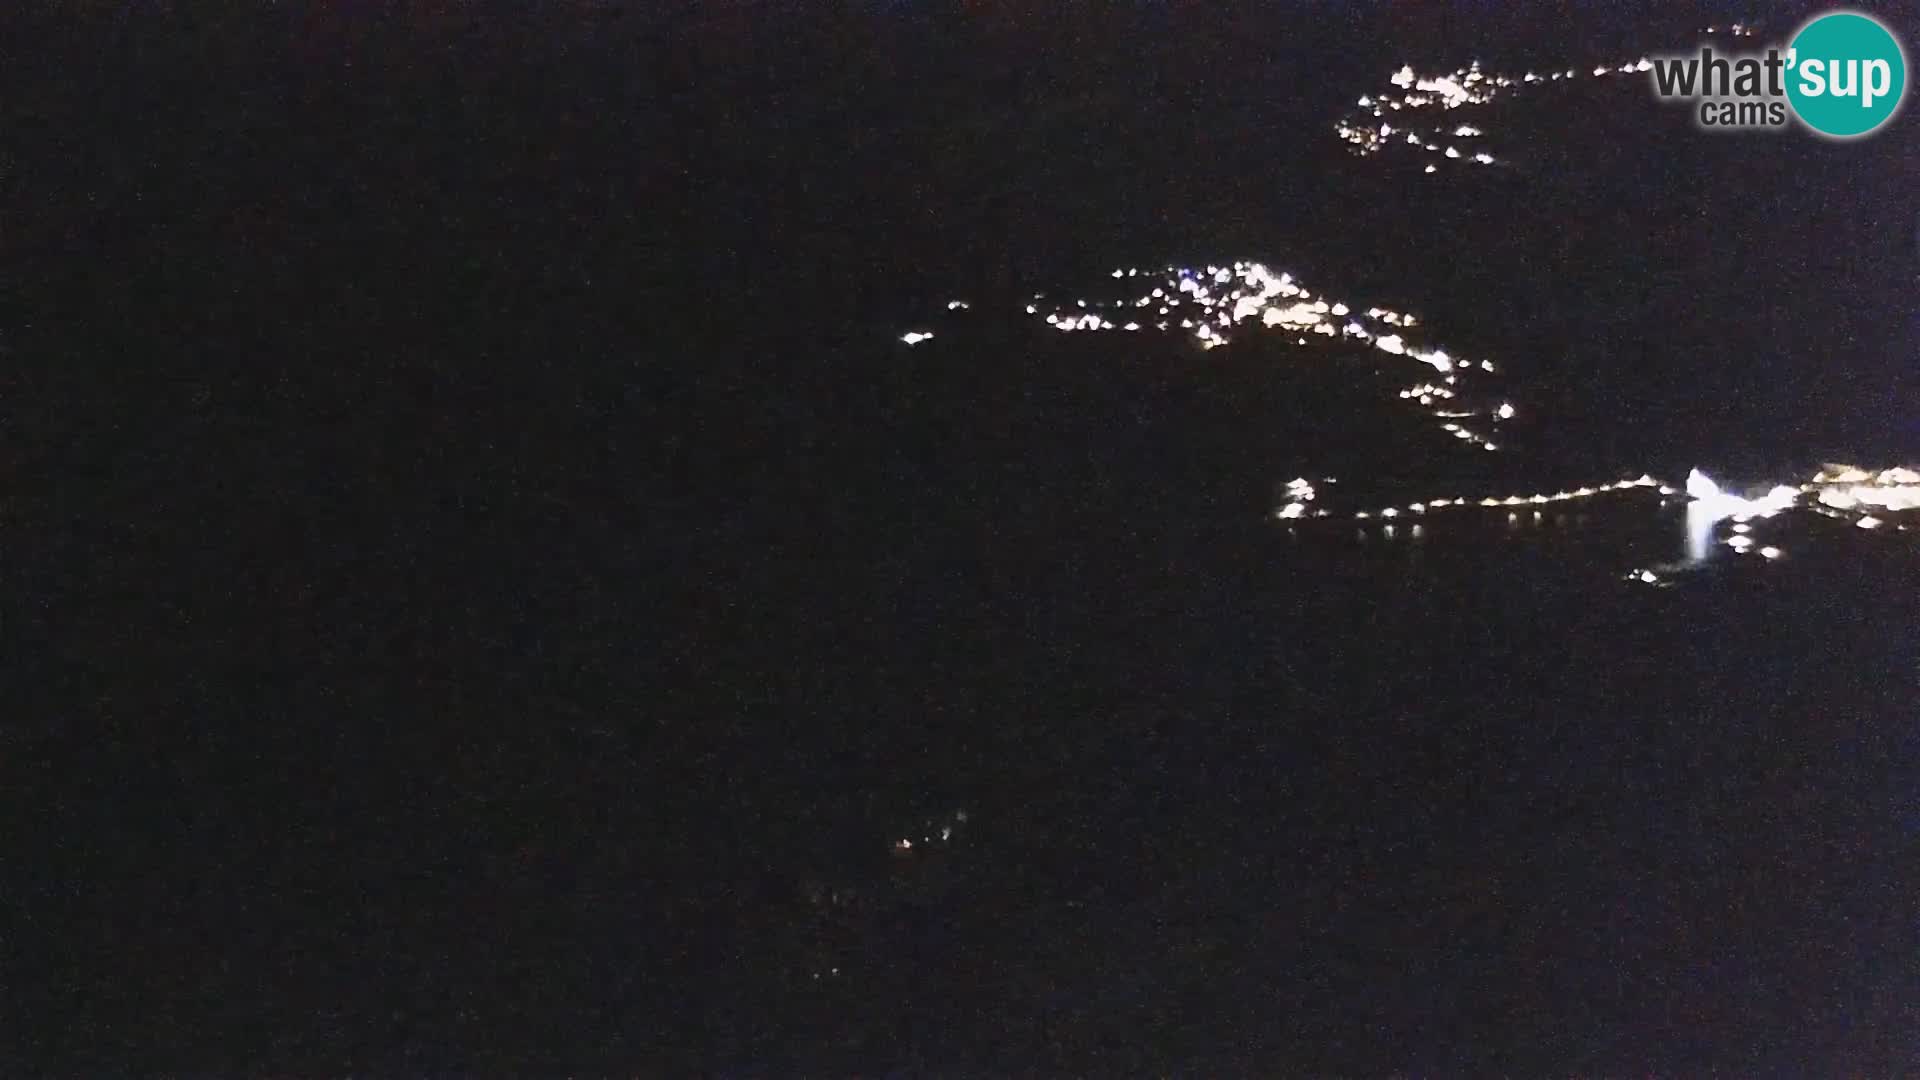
(1846, 74)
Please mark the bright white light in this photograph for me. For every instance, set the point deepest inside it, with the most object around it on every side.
(1701, 487)
(1452, 94)
(1298, 315)
(1505, 411)
(1779, 497)
(916, 337)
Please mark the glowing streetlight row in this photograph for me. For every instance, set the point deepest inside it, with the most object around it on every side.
(1296, 506)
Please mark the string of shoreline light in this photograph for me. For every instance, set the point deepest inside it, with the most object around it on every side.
(1847, 492)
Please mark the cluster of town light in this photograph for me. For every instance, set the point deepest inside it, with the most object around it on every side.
(1412, 93)
(1848, 488)
(1413, 113)
(1212, 303)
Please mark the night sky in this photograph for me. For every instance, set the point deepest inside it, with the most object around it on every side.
(487, 589)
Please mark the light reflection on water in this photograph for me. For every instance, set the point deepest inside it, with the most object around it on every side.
(1701, 518)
